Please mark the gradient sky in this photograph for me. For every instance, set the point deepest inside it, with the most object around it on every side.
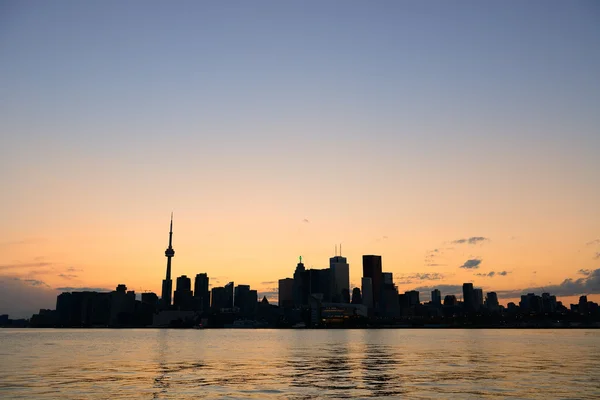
(277, 129)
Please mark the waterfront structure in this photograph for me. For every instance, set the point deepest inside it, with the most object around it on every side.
(372, 269)
(167, 284)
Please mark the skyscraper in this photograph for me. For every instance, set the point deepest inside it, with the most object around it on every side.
(367, 292)
(229, 294)
(301, 285)
(468, 297)
(183, 299)
(477, 298)
(372, 269)
(340, 277)
(286, 293)
(201, 292)
(167, 284)
(436, 297)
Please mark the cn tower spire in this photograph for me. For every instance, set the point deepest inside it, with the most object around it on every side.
(167, 286)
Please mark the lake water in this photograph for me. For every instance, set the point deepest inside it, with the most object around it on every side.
(299, 364)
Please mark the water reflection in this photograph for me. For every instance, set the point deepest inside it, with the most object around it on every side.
(167, 364)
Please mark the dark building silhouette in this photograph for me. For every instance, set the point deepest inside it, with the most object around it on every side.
(286, 293)
(229, 293)
(356, 296)
(450, 300)
(201, 292)
(245, 300)
(150, 298)
(491, 302)
(167, 285)
(183, 297)
(436, 298)
(219, 298)
(372, 269)
(340, 278)
(301, 285)
(468, 297)
(320, 283)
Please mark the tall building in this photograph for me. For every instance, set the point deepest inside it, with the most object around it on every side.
(436, 297)
(372, 269)
(320, 283)
(301, 285)
(367, 291)
(183, 297)
(218, 298)
(356, 296)
(491, 302)
(286, 293)
(229, 294)
(240, 295)
(340, 277)
(201, 292)
(413, 298)
(478, 298)
(167, 284)
(468, 297)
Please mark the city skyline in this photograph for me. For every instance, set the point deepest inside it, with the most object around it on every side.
(431, 134)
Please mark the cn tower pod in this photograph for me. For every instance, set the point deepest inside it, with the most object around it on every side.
(170, 252)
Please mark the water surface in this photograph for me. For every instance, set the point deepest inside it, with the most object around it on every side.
(299, 364)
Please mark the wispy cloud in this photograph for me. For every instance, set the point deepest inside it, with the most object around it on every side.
(471, 240)
(67, 276)
(82, 289)
(40, 264)
(491, 274)
(269, 282)
(593, 242)
(586, 272)
(472, 264)
(597, 256)
(306, 221)
(406, 279)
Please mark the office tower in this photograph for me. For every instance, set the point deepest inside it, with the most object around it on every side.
(229, 293)
(478, 298)
(583, 305)
(201, 292)
(150, 298)
(301, 285)
(167, 285)
(450, 300)
(218, 298)
(491, 302)
(413, 298)
(372, 269)
(356, 296)
(340, 277)
(390, 305)
(240, 295)
(286, 293)
(183, 297)
(468, 297)
(367, 291)
(436, 297)
(320, 283)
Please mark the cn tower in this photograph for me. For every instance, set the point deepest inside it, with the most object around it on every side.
(167, 285)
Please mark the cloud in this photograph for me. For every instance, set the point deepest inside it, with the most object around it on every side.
(73, 269)
(471, 264)
(569, 287)
(82, 289)
(597, 256)
(67, 276)
(471, 240)
(306, 221)
(436, 265)
(406, 279)
(491, 274)
(593, 242)
(586, 272)
(41, 264)
(269, 283)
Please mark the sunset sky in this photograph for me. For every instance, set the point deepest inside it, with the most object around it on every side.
(455, 139)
